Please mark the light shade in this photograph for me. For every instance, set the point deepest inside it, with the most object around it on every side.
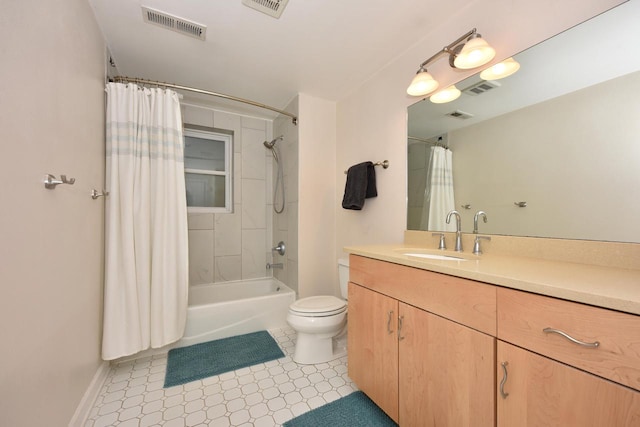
(445, 95)
(422, 84)
(500, 70)
(476, 52)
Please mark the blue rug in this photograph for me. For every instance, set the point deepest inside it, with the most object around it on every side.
(353, 410)
(211, 358)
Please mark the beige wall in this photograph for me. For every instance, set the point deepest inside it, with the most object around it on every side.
(318, 268)
(551, 156)
(371, 121)
(51, 250)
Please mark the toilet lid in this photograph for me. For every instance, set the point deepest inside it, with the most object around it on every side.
(324, 305)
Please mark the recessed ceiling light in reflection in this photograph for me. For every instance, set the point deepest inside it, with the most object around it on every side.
(500, 70)
(445, 95)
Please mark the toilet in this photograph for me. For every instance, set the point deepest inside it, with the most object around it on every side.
(321, 324)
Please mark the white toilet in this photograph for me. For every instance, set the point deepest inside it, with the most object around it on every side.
(321, 324)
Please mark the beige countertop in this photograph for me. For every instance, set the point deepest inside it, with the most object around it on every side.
(608, 287)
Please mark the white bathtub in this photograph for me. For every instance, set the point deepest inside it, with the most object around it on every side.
(221, 310)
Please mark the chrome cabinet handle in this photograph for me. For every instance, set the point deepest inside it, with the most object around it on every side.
(594, 344)
(389, 330)
(400, 322)
(504, 380)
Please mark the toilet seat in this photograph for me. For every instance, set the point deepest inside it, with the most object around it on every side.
(318, 306)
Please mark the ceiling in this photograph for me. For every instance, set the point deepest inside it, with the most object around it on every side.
(321, 48)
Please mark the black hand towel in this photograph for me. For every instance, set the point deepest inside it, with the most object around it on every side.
(361, 184)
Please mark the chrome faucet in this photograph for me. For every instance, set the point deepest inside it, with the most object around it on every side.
(475, 220)
(458, 232)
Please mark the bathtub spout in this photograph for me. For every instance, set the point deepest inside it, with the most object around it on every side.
(277, 265)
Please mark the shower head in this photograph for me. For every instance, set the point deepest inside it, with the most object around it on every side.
(271, 144)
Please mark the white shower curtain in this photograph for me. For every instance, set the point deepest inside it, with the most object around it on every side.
(438, 195)
(146, 246)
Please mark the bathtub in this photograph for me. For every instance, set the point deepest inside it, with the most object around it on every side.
(221, 310)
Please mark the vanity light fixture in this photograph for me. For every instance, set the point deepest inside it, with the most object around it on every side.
(468, 51)
(422, 84)
(500, 70)
(475, 53)
(445, 95)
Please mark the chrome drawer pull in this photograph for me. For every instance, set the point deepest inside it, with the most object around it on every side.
(594, 344)
(389, 331)
(504, 380)
(400, 322)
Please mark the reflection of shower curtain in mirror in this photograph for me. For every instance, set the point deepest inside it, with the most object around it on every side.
(146, 247)
(438, 193)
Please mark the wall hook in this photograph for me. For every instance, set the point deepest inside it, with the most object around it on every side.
(51, 181)
(520, 204)
(95, 194)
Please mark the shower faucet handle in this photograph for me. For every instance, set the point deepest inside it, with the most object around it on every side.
(280, 248)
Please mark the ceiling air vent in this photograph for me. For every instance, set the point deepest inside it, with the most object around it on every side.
(270, 7)
(481, 87)
(174, 23)
(457, 114)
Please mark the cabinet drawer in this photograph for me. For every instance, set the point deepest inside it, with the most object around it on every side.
(523, 317)
(464, 301)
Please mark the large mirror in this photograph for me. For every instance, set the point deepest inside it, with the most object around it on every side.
(550, 151)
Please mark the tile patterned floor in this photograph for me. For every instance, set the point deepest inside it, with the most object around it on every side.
(267, 394)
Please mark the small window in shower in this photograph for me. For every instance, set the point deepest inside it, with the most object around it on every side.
(208, 166)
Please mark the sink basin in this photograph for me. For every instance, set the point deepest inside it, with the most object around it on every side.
(437, 255)
(434, 256)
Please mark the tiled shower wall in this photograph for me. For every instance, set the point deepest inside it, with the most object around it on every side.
(234, 246)
(285, 225)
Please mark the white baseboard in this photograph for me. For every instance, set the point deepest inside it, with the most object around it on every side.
(89, 399)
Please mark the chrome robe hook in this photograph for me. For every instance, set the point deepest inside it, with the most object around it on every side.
(51, 181)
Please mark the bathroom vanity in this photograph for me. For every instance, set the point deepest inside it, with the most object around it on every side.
(495, 340)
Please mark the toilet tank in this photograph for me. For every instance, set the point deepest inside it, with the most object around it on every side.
(343, 274)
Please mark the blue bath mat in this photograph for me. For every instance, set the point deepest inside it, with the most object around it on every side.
(353, 410)
(211, 358)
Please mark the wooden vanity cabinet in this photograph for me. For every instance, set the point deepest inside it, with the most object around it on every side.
(540, 392)
(608, 341)
(420, 367)
(557, 342)
(423, 346)
(373, 346)
(446, 375)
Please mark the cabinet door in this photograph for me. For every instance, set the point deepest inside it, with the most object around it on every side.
(373, 346)
(546, 393)
(447, 375)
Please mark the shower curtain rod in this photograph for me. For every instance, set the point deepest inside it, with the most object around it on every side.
(437, 143)
(122, 79)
